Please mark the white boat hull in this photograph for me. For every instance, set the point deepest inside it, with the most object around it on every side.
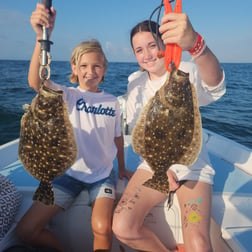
(232, 202)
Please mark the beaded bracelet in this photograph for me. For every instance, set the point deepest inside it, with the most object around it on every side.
(199, 47)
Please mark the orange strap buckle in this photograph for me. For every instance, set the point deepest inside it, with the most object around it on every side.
(173, 52)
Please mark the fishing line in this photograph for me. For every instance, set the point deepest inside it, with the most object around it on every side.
(159, 9)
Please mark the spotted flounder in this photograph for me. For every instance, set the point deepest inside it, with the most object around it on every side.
(168, 130)
(47, 146)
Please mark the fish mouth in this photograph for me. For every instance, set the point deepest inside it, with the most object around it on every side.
(50, 91)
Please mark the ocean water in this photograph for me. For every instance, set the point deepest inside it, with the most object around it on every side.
(231, 116)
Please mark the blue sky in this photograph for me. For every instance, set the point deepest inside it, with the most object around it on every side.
(226, 26)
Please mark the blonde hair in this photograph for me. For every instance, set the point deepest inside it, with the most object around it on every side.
(82, 48)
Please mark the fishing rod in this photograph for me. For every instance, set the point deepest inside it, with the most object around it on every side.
(45, 58)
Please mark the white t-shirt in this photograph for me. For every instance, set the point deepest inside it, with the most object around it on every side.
(96, 122)
(141, 89)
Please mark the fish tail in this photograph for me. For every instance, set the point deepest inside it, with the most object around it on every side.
(44, 193)
(161, 186)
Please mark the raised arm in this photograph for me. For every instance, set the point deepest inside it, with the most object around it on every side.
(40, 17)
(177, 28)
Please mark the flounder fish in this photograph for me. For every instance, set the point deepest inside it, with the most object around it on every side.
(47, 146)
(168, 130)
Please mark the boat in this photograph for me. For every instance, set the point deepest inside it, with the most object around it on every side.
(231, 222)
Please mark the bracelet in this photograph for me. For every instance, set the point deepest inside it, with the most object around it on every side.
(199, 47)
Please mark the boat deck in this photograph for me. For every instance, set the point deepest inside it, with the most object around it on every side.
(231, 226)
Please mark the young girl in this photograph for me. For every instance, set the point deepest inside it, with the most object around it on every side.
(95, 116)
(206, 74)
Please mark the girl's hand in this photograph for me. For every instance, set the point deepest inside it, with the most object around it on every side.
(41, 17)
(125, 174)
(177, 28)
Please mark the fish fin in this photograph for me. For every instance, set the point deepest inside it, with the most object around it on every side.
(193, 150)
(139, 131)
(161, 185)
(44, 193)
(26, 107)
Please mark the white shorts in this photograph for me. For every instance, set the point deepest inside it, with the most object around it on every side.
(201, 170)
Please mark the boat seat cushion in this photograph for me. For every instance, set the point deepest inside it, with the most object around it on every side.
(10, 201)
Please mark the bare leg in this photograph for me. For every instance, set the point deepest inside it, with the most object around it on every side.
(195, 203)
(102, 223)
(129, 215)
(32, 227)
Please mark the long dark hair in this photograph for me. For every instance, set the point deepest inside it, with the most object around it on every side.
(146, 25)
